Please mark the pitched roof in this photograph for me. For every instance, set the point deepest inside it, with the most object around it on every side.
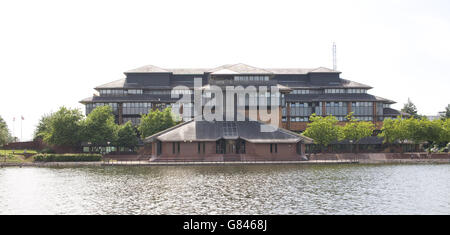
(239, 68)
(148, 69)
(394, 112)
(213, 131)
(323, 70)
(111, 85)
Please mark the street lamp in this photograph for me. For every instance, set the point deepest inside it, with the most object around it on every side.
(351, 146)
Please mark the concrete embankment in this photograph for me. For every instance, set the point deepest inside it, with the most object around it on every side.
(363, 158)
(386, 158)
(50, 164)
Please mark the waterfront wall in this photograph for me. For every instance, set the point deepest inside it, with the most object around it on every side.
(382, 157)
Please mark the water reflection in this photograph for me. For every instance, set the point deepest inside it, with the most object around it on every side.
(340, 189)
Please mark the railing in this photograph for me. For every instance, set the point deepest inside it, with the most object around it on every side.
(200, 161)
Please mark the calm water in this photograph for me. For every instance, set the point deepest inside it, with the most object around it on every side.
(340, 189)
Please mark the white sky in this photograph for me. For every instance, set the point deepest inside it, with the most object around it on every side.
(53, 53)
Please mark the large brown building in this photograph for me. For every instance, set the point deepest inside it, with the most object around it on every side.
(300, 93)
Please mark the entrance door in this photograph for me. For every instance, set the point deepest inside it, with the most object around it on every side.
(231, 147)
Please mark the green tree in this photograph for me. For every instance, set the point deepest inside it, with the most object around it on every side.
(323, 130)
(444, 136)
(356, 130)
(5, 136)
(393, 130)
(99, 128)
(126, 136)
(427, 130)
(447, 112)
(64, 128)
(411, 109)
(43, 127)
(156, 121)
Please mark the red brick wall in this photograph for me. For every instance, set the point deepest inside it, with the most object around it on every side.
(254, 152)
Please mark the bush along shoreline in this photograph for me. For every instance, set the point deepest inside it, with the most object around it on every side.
(67, 157)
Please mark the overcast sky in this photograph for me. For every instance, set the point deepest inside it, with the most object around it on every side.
(53, 53)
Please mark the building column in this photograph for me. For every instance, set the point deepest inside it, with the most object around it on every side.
(324, 108)
(349, 107)
(288, 115)
(374, 112)
(120, 111)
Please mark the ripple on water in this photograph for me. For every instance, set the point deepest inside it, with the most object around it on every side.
(340, 189)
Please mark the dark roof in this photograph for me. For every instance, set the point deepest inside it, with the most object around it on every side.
(239, 68)
(148, 69)
(394, 112)
(213, 131)
(335, 97)
(115, 84)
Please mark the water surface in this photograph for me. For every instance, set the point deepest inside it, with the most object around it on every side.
(275, 189)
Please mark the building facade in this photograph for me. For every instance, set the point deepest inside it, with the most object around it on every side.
(302, 92)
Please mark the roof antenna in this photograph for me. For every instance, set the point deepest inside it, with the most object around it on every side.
(334, 57)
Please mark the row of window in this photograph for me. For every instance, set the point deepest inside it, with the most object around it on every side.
(134, 120)
(306, 92)
(251, 78)
(138, 108)
(120, 92)
(345, 91)
(113, 92)
(339, 118)
(364, 118)
(92, 106)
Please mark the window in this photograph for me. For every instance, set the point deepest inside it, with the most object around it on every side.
(306, 92)
(362, 108)
(251, 78)
(176, 147)
(157, 92)
(337, 108)
(356, 91)
(137, 108)
(273, 148)
(134, 91)
(201, 148)
(92, 106)
(335, 91)
(112, 92)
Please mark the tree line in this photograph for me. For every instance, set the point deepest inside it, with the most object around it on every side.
(68, 128)
(325, 130)
(5, 134)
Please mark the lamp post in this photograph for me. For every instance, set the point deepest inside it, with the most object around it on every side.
(351, 146)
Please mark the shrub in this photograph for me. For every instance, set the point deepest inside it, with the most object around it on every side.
(47, 150)
(67, 157)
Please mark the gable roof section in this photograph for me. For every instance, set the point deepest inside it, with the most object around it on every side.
(148, 69)
(213, 131)
(323, 70)
(239, 69)
(112, 85)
